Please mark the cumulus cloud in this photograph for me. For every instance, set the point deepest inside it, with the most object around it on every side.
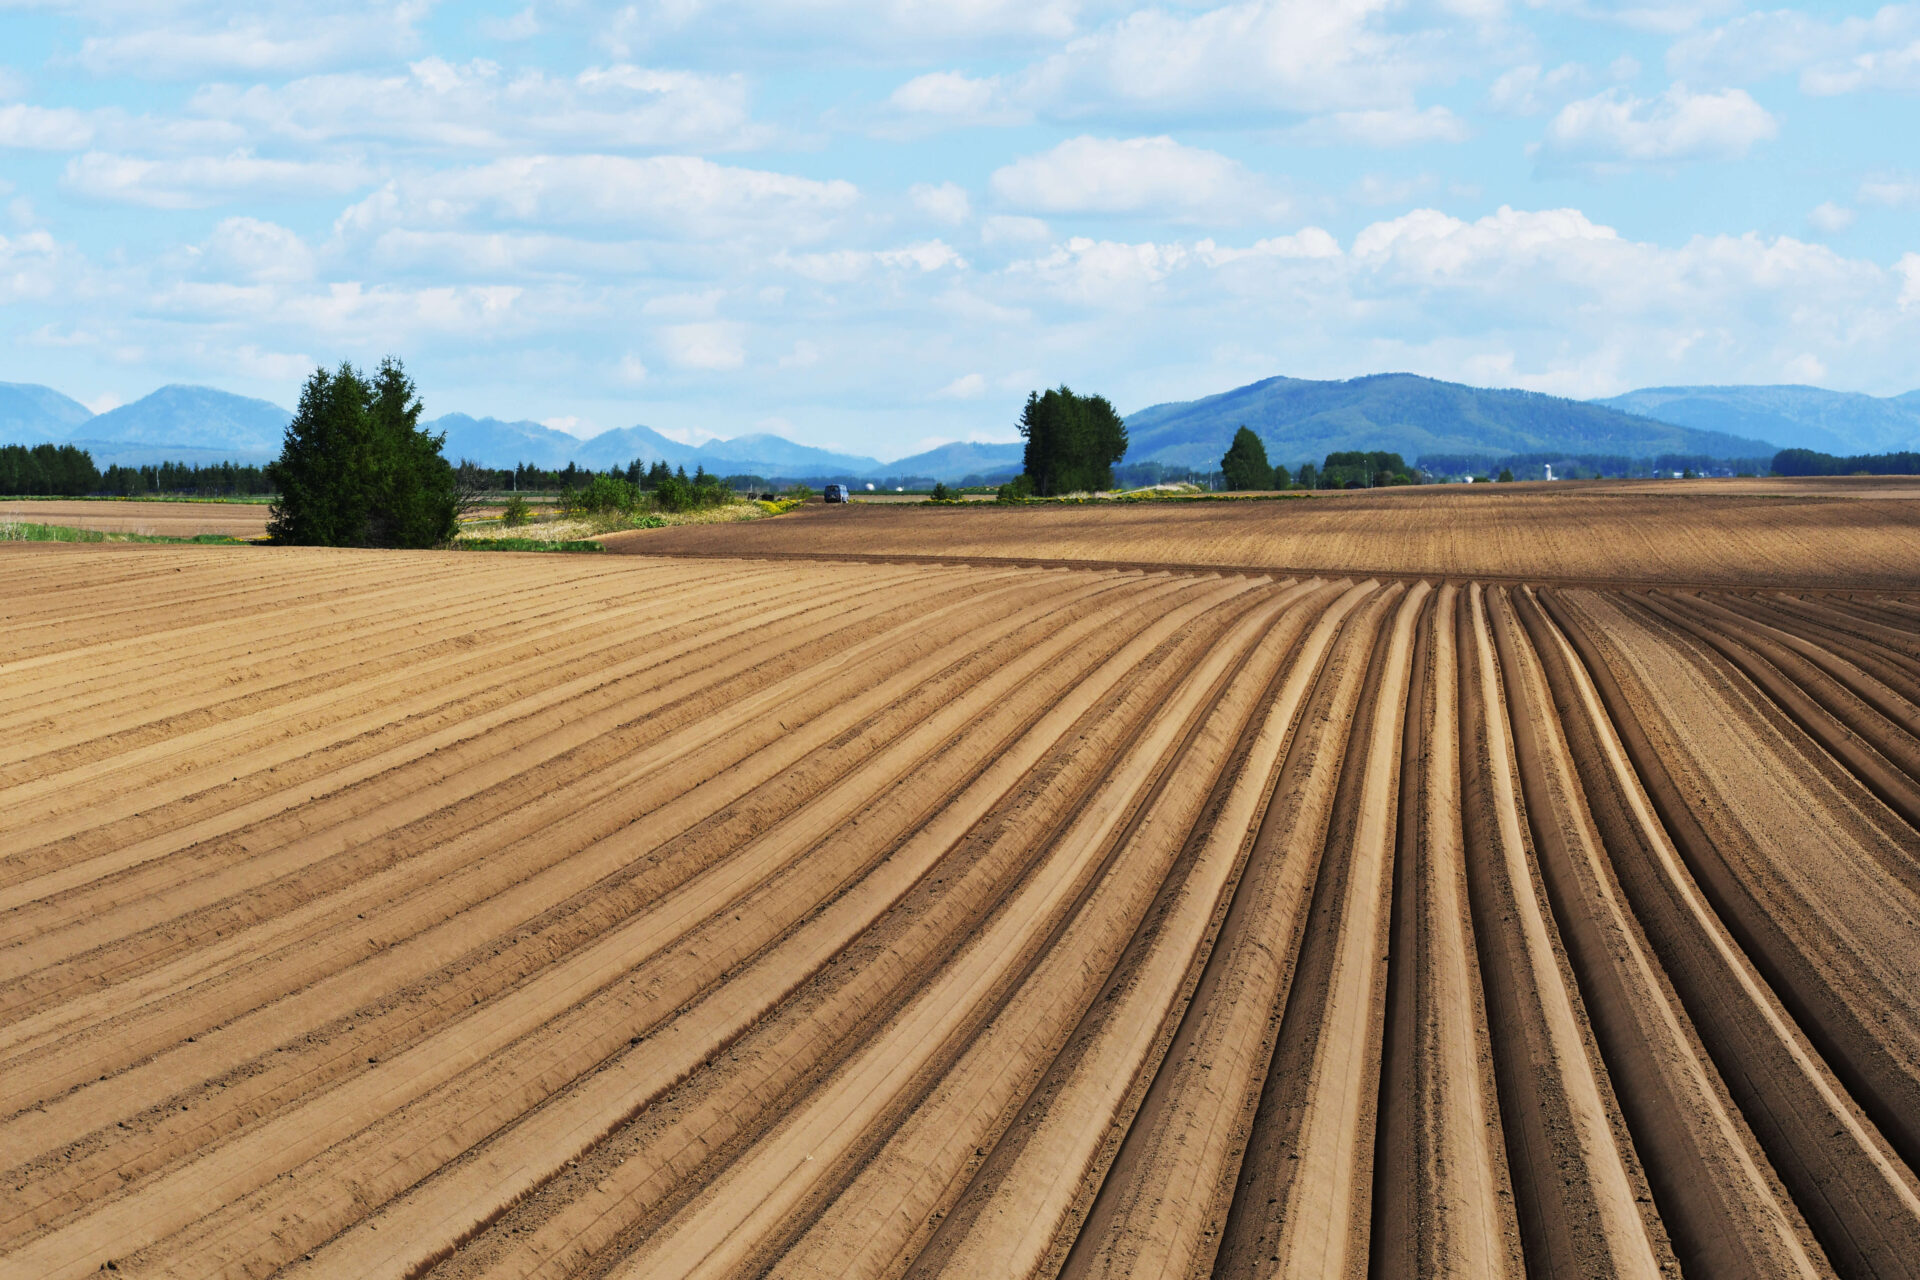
(1830, 217)
(896, 28)
(946, 201)
(1133, 176)
(1287, 55)
(1617, 127)
(707, 346)
(1876, 51)
(256, 250)
(44, 128)
(841, 265)
(478, 105)
(164, 42)
(1388, 128)
(968, 386)
(676, 195)
(523, 25)
(195, 182)
(951, 94)
(1891, 190)
(32, 266)
(1530, 91)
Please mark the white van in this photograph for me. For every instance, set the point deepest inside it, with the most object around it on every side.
(835, 493)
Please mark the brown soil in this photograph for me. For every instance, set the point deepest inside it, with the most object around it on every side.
(1757, 533)
(168, 519)
(416, 914)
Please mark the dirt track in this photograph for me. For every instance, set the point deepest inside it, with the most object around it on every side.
(1774, 533)
(401, 914)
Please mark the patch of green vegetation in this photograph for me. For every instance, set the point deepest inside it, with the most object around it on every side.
(523, 544)
(29, 531)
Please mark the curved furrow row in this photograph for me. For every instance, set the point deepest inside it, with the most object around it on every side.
(384, 1027)
(405, 916)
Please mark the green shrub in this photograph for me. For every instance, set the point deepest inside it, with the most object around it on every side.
(516, 512)
(677, 493)
(603, 495)
(523, 544)
(1018, 489)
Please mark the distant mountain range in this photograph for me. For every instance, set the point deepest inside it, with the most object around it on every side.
(1299, 420)
(32, 414)
(1793, 417)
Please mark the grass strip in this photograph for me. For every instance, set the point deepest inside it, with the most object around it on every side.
(522, 544)
(29, 531)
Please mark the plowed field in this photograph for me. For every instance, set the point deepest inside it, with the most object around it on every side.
(169, 519)
(1814, 533)
(404, 915)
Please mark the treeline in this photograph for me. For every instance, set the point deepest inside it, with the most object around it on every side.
(1245, 466)
(527, 478)
(216, 480)
(46, 470)
(1587, 466)
(1810, 462)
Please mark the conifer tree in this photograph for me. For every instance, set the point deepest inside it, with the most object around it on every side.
(1073, 441)
(1245, 465)
(355, 468)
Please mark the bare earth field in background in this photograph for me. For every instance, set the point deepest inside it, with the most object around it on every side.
(1722, 532)
(167, 519)
(423, 914)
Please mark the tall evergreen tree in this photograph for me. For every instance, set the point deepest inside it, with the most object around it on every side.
(356, 470)
(1245, 465)
(1073, 441)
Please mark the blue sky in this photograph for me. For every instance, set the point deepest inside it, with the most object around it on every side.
(876, 224)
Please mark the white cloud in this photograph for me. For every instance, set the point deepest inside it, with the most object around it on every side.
(1004, 229)
(676, 195)
(947, 93)
(44, 128)
(632, 369)
(1393, 127)
(272, 38)
(1892, 191)
(708, 346)
(198, 181)
(1615, 126)
(968, 386)
(1307, 244)
(1284, 55)
(1830, 217)
(523, 25)
(947, 201)
(1908, 269)
(1876, 51)
(1133, 176)
(893, 28)
(33, 265)
(103, 402)
(839, 266)
(1531, 91)
(256, 250)
(478, 105)
(1104, 273)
